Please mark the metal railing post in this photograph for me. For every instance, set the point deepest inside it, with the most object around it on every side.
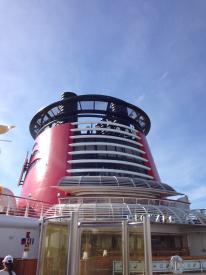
(26, 213)
(39, 248)
(73, 247)
(42, 211)
(8, 209)
(147, 245)
(125, 248)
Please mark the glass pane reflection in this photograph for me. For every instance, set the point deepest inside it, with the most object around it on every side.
(100, 249)
(136, 250)
(54, 249)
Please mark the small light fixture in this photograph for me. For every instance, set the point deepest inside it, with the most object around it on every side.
(85, 255)
(104, 253)
(25, 254)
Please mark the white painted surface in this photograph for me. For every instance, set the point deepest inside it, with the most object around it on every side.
(13, 231)
(18, 221)
(197, 243)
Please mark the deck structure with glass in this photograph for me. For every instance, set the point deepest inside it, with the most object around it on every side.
(111, 213)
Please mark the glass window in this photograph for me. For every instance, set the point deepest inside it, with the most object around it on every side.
(87, 105)
(136, 250)
(100, 249)
(110, 148)
(54, 249)
(80, 148)
(100, 105)
(101, 147)
(132, 113)
(90, 147)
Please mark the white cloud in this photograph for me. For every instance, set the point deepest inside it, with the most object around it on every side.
(140, 99)
(163, 76)
(197, 193)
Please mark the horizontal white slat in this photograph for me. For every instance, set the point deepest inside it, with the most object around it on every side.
(106, 144)
(106, 152)
(79, 170)
(108, 161)
(105, 123)
(106, 137)
(105, 129)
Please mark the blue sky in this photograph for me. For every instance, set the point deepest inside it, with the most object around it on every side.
(150, 53)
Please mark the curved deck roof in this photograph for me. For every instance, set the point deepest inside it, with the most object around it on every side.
(115, 186)
(113, 209)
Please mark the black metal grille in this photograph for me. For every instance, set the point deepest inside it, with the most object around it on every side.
(104, 107)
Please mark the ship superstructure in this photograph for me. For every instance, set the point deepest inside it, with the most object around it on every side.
(87, 135)
(92, 182)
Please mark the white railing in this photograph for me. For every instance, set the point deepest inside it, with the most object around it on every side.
(137, 267)
(119, 208)
(128, 200)
(19, 206)
(102, 208)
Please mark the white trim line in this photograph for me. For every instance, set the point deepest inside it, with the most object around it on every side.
(108, 161)
(106, 123)
(107, 136)
(106, 144)
(106, 152)
(105, 129)
(108, 170)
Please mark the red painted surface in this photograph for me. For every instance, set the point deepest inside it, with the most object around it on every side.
(153, 172)
(51, 150)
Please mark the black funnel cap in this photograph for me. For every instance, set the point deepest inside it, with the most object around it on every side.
(66, 95)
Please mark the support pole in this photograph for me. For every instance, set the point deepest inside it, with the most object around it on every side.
(73, 251)
(147, 246)
(125, 248)
(40, 247)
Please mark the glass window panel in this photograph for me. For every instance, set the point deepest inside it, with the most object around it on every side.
(79, 148)
(79, 105)
(141, 121)
(172, 248)
(100, 105)
(110, 148)
(136, 250)
(54, 249)
(101, 249)
(101, 147)
(165, 246)
(87, 105)
(131, 113)
(90, 147)
(55, 110)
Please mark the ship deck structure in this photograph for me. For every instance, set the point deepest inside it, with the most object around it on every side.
(92, 201)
